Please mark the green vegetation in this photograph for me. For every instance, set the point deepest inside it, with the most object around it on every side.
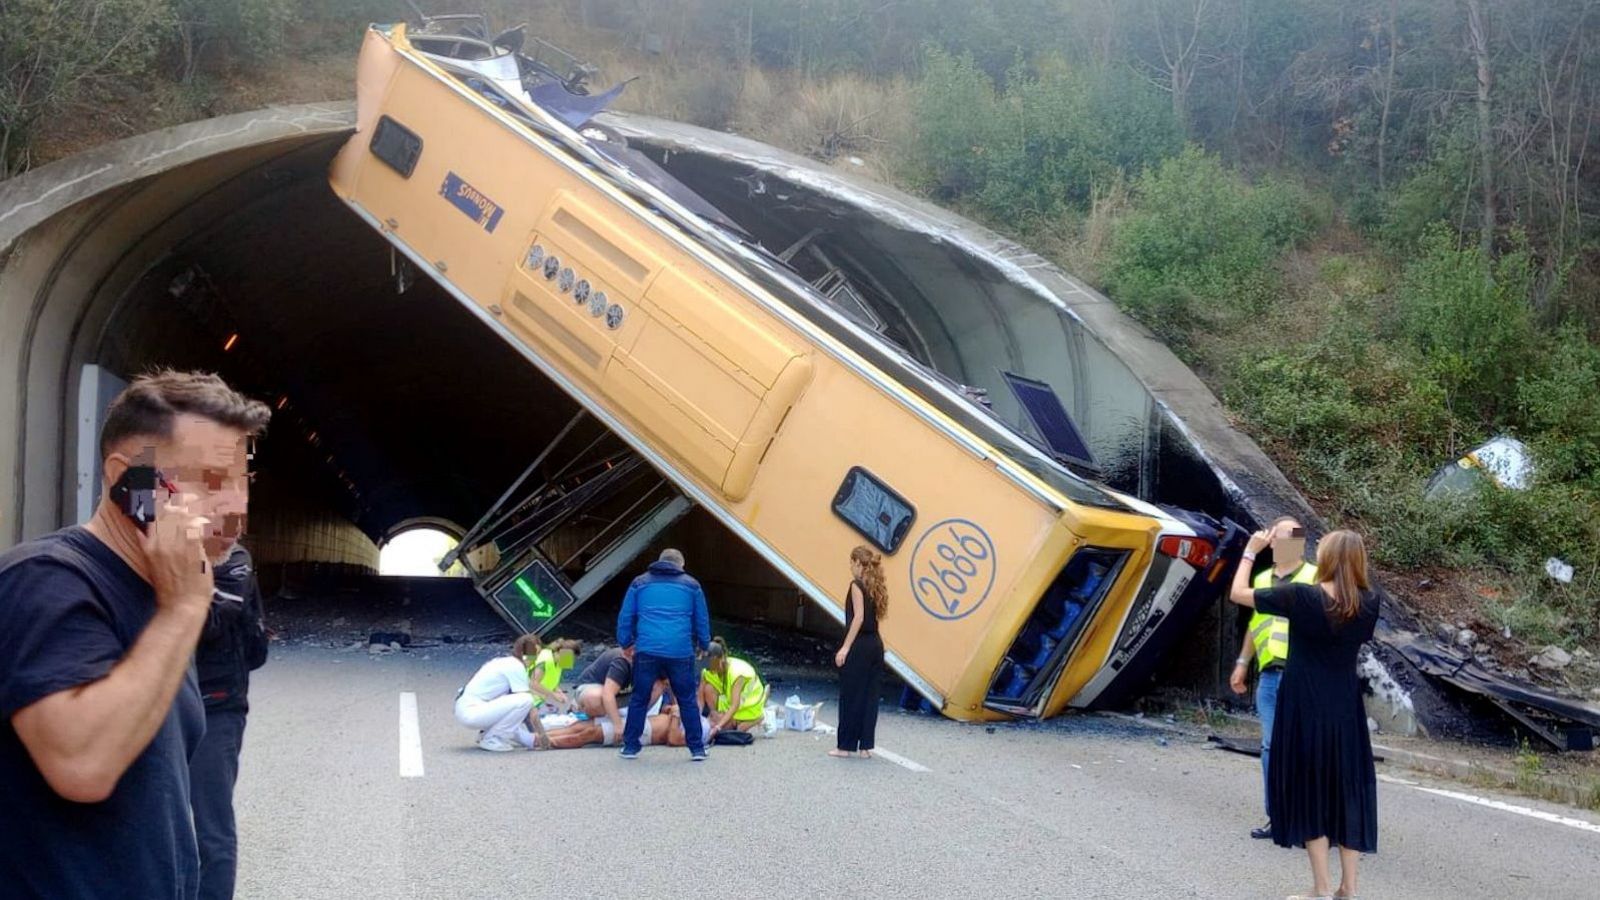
(1370, 225)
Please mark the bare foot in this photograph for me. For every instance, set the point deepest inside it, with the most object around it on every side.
(840, 754)
(864, 754)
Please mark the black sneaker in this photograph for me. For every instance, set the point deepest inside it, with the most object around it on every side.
(697, 756)
(1263, 833)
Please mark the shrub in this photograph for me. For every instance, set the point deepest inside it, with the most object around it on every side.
(53, 51)
(1560, 409)
(1199, 226)
(1469, 319)
(1043, 146)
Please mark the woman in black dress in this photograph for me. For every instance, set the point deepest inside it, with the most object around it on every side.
(860, 660)
(1322, 788)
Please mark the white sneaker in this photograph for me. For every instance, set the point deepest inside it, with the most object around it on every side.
(496, 745)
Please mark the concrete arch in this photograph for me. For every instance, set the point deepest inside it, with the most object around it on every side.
(413, 523)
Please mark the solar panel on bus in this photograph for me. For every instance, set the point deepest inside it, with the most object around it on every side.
(1054, 424)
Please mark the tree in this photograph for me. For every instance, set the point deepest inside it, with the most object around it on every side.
(253, 29)
(1478, 42)
(53, 51)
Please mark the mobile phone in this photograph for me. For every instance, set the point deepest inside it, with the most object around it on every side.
(1297, 532)
(135, 494)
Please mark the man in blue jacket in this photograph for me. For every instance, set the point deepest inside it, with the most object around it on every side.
(664, 621)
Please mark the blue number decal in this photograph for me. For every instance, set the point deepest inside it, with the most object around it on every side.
(952, 569)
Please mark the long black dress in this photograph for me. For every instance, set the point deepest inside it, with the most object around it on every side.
(1322, 781)
(861, 679)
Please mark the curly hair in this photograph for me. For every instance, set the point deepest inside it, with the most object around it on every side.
(871, 562)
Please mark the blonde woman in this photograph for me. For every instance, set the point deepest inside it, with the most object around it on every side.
(1323, 788)
(860, 660)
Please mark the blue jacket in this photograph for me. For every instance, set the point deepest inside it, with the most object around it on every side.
(664, 614)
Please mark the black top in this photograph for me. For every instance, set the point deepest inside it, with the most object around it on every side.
(70, 609)
(610, 664)
(235, 637)
(1321, 778)
(869, 621)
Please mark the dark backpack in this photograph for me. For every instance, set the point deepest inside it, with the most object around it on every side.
(734, 738)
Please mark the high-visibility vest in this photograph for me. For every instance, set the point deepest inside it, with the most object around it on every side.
(753, 700)
(1270, 634)
(550, 678)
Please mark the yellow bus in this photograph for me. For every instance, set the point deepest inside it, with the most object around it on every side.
(1017, 585)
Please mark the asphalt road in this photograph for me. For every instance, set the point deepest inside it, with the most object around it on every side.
(1084, 807)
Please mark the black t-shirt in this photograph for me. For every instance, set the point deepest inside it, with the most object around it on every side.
(70, 609)
(610, 664)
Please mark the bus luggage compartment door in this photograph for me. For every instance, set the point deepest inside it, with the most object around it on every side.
(709, 378)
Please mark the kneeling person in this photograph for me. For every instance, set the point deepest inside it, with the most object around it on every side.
(730, 691)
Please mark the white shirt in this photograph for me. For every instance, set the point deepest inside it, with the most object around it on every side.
(496, 678)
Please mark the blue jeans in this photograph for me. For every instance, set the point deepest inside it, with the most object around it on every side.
(1267, 709)
(685, 683)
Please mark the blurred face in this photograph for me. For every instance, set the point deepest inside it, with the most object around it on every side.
(1288, 541)
(207, 461)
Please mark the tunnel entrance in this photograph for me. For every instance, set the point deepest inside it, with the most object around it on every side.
(416, 552)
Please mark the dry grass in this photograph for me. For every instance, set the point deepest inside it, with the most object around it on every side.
(829, 120)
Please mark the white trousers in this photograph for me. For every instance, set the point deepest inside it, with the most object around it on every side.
(498, 718)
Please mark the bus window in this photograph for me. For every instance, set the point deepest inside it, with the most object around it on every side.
(870, 507)
(1030, 667)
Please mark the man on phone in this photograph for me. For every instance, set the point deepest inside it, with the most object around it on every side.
(233, 643)
(1267, 638)
(99, 706)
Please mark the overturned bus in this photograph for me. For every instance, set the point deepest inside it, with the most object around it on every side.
(1019, 583)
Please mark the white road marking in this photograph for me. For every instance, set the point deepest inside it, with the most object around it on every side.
(1581, 824)
(881, 753)
(410, 737)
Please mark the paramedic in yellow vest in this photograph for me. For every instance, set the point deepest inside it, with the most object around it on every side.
(545, 671)
(1267, 639)
(730, 691)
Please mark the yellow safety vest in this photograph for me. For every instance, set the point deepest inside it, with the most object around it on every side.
(752, 702)
(551, 678)
(1270, 634)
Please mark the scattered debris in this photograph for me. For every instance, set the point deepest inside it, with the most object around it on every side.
(1551, 658)
(1504, 461)
(1541, 713)
(1466, 638)
(1558, 570)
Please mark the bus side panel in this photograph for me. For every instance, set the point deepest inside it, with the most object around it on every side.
(842, 421)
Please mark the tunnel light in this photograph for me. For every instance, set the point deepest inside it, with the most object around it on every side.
(283, 401)
(311, 438)
(232, 339)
